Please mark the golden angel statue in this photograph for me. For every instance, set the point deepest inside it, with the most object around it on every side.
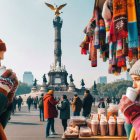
(56, 9)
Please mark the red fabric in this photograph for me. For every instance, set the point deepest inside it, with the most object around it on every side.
(2, 46)
(93, 54)
(49, 107)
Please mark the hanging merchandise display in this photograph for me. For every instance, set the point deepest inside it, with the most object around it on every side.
(114, 32)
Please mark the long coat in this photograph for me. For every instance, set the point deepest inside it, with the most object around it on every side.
(64, 108)
(87, 104)
(50, 107)
(76, 104)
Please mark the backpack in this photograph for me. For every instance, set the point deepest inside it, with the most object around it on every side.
(40, 104)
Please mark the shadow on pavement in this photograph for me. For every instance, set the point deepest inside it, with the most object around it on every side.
(23, 114)
(22, 123)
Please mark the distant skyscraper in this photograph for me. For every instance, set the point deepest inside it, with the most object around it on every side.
(128, 77)
(28, 77)
(102, 80)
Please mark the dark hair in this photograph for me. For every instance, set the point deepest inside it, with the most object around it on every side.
(75, 94)
(87, 91)
(64, 96)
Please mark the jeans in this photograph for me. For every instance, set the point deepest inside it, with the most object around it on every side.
(41, 110)
(50, 124)
(76, 113)
(64, 123)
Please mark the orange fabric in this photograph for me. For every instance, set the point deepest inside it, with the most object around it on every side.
(50, 106)
(2, 133)
(132, 10)
(132, 134)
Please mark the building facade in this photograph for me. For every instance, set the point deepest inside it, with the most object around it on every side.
(102, 80)
(28, 78)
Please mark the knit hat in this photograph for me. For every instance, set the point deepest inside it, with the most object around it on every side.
(135, 70)
(2, 46)
(50, 92)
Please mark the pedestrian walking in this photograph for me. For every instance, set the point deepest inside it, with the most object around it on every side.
(50, 112)
(76, 105)
(41, 107)
(14, 104)
(19, 102)
(29, 103)
(64, 108)
(87, 103)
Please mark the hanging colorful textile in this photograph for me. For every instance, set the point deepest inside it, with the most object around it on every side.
(120, 19)
(125, 48)
(85, 45)
(132, 25)
(93, 53)
(106, 14)
(89, 30)
(96, 31)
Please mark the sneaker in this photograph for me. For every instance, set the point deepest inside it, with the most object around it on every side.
(53, 133)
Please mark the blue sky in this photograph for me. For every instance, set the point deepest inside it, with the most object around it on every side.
(27, 29)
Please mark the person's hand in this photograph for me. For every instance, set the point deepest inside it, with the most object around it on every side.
(124, 103)
(130, 109)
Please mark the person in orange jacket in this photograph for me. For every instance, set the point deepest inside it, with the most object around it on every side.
(50, 112)
(8, 86)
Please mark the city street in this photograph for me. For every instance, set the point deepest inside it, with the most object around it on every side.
(26, 125)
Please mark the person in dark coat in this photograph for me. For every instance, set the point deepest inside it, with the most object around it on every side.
(76, 105)
(41, 107)
(108, 101)
(29, 102)
(87, 103)
(14, 104)
(19, 102)
(64, 108)
(50, 112)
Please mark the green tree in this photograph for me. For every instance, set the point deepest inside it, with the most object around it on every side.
(113, 89)
(23, 88)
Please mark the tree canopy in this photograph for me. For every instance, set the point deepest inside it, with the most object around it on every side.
(112, 89)
(23, 88)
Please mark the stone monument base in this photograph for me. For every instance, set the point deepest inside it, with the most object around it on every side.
(71, 87)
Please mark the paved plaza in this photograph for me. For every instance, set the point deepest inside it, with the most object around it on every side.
(26, 125)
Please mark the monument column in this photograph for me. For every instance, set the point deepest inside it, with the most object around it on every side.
(57, 22)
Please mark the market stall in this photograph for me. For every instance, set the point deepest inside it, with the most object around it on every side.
(113, 33)
(105, 124)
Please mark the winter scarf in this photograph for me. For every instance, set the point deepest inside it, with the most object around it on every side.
(121, 62)
(120, 19)
(89, 30)
(96, 31)
(93, 54)
(125, 48)
(132, 25)
(106, 14)
(85, 45)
